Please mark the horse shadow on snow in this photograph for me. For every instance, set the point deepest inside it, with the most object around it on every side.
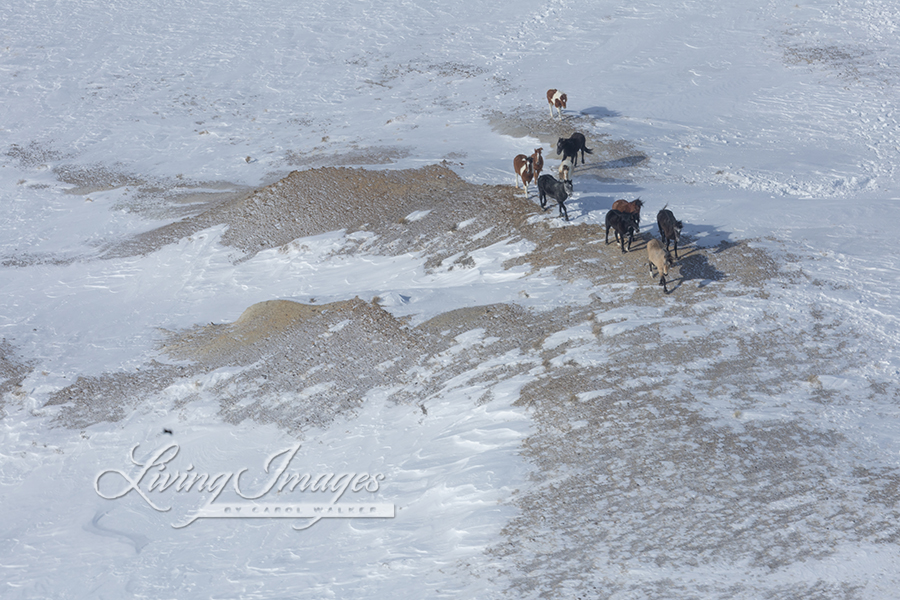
(600, 112)
(694, 265)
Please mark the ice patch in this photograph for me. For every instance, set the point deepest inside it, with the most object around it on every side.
(417, 215)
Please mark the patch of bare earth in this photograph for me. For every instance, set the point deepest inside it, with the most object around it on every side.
(304, 363)
(316, 201)
(355, 155)
(633, 473)
(112, 396)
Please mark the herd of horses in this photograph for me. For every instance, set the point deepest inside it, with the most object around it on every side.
(623, 218)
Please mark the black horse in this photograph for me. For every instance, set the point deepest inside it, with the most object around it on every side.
(570, 147)
(558, 190)
(623, 224)
(669, 228)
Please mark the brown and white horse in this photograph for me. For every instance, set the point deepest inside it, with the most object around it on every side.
(523, 166)
(565, 170)
(556, 98)
(537, 163)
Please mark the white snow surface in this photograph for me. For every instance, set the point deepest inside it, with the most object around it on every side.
(776, 123)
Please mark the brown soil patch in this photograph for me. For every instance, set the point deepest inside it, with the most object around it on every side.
(316, 201)
(255, 325)
(355, 156)
(111, 396)
(305, 364)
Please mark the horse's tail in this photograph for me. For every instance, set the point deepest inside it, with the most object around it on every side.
(588, 150)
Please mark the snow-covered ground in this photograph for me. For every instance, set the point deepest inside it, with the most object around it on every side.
(738, 438)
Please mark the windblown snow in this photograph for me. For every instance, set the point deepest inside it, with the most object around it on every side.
(256, 260)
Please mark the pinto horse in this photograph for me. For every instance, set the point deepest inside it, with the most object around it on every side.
(565, 170)
(524, 170)
(556, 98)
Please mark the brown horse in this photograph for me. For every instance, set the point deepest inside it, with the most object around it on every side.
(669, 227)
(537, 163)
(629, 207)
